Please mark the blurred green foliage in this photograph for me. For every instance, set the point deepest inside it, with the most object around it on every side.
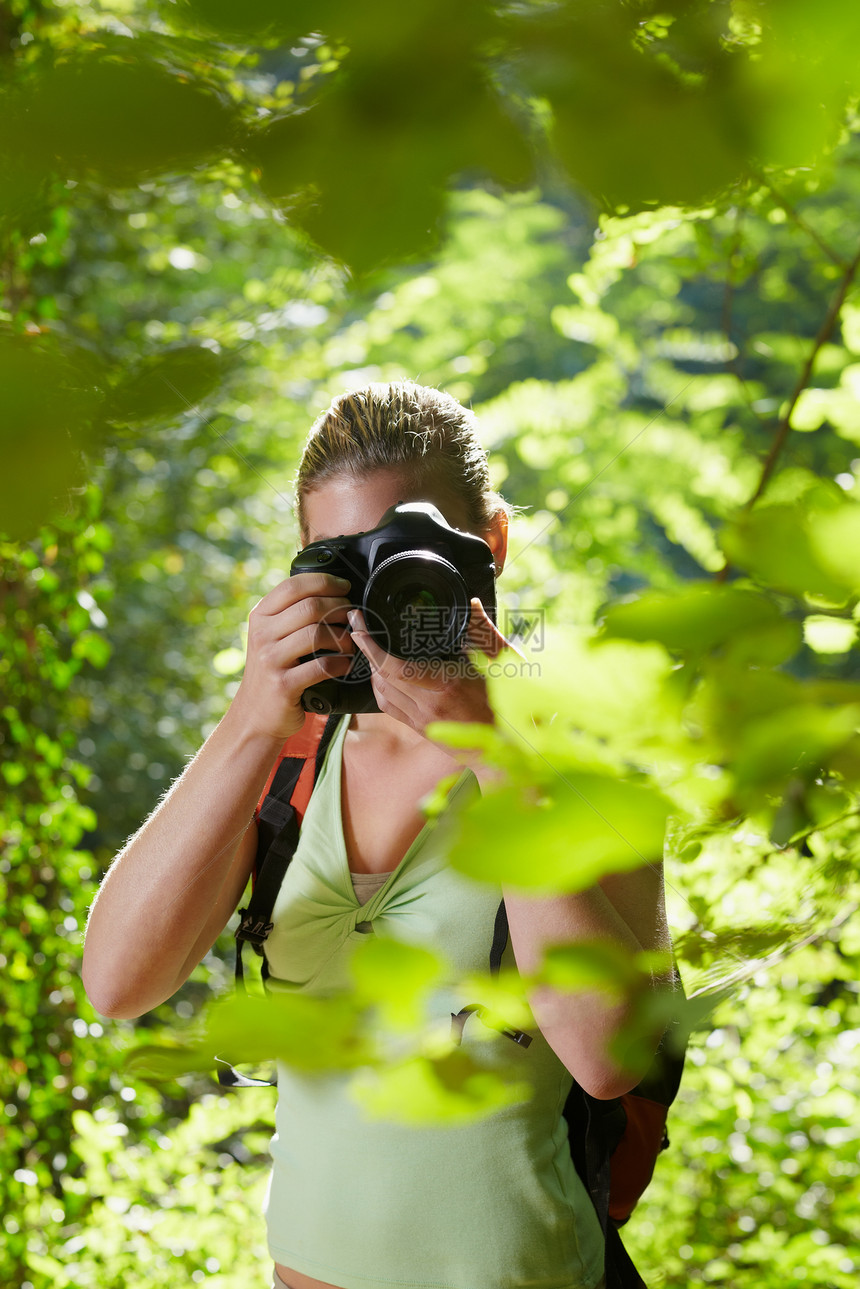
(625, 235)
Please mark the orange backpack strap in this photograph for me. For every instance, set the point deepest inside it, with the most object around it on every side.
(303, 747)
(279, 816)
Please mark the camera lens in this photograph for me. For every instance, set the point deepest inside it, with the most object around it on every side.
(417, 605)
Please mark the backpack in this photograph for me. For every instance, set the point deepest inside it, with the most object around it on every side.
(614, 1144)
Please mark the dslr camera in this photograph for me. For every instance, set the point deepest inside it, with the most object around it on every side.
(413, 578)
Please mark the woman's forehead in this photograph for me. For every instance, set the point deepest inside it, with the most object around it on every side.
(344, 504)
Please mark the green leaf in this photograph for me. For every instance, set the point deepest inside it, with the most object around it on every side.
(166, 384)
(93, 648)
(696, 619)
(612, 689)
(834, 538)
(829, 635)
(564, 836)
(117, 112)
(389, 134)
(838, 406)
(448, 1089)
(776, 545)
(395, 978)
(598, 964)
(50, 402)
(801, 79)
(607, 141)
(14, 772)
(503, 997)
(311, 1034)
(802, 738)
(254, 21)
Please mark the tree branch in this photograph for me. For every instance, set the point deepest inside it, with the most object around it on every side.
(824, 333)
(802, 224)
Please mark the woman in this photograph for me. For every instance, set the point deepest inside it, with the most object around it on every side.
(355, 1204)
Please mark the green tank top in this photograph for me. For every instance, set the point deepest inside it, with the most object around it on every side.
(367, 1204)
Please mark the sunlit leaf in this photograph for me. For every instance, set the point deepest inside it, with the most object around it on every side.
(564, 836)
(839, 406)
(737, 943)
(829, 635)
(598, 964)
(801, 78)
(444, 1090)
(502, 997)
(14, 772)
(802, 738)
(695, 619)
(311, 1034)
(835, 541)
(609, 688)
(93, 647)
(395, 978)
(468, 735)
(774, 544)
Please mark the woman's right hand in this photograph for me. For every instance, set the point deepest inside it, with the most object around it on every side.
(303, 614)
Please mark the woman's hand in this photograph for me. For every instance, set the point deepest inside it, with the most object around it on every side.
(418, 692)
(302, 615)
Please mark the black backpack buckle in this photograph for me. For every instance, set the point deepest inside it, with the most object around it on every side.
(253, 929)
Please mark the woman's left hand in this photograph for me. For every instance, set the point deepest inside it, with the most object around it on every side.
(418, 692)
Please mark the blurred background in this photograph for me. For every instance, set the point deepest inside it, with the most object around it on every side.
(625, 234)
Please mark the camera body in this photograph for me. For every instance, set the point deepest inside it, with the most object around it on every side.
(413, 577)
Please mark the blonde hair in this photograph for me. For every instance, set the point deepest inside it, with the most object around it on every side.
(402, 426)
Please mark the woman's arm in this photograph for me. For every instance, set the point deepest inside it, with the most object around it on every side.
(171, 890)
(627, 909)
